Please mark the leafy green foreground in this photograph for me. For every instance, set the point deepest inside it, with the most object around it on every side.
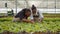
(49, 24)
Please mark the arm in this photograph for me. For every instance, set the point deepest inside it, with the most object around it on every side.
(26, 20)
(40, 16)
(31, 17)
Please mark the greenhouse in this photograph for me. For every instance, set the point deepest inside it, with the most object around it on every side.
(18, 17)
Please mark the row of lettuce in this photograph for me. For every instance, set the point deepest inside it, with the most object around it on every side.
(49, 24)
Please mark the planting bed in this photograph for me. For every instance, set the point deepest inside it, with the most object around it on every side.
(48, 26)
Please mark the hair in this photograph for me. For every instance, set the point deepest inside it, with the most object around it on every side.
(33, 7)
(26, 10)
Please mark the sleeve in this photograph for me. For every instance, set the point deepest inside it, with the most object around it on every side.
(31, 16)
(40, 14)
(21, 16)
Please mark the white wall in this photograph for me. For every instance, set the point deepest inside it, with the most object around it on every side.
(4, 10)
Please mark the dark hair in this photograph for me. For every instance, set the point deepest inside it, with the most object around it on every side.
(33, 7)
(26, 10)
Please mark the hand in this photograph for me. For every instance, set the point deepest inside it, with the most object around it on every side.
(39, 20)
(32, 22)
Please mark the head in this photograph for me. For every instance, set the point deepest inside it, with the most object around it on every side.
(27, 12)
(33, 9)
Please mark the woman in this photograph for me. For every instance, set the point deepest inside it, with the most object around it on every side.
(23, 15)
(36, 15)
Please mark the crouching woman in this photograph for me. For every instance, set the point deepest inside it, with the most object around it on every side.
(23, 15)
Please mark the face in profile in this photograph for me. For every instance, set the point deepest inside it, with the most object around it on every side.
(34, 10)
(28, 13)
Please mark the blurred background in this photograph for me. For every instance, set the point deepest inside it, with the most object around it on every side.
(45, 6)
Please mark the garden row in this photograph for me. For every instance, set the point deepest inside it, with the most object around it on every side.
(48, 26)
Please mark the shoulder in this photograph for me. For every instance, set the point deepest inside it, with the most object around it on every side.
(38, 10)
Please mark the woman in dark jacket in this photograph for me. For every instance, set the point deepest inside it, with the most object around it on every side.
(23, 15)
